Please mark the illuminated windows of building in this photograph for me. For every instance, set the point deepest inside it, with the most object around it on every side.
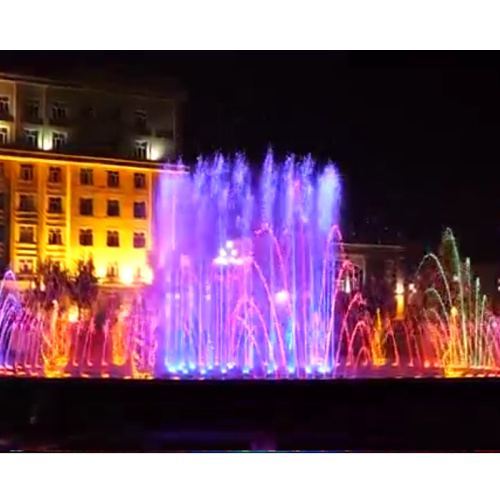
(139, 239)
(27, 203)
(86, 177)
(26, 173)
(59, 140)
(113, 179)
(87, 207)
(55, 205)
(139, 209)
(140, 120)
(141, 150)
(55, 175)
(31, 138)
(113, 208)
(26, 266)
(55, 236)
(86, 237)
(113, 239)
(59, 111)
(4, 106)
(26, 234)
(4, 135)
(32, 110)
(139, 181)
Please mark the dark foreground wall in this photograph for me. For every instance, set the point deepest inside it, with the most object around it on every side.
(320, 415)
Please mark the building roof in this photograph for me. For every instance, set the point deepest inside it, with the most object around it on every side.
(99, 81)
(14, 154)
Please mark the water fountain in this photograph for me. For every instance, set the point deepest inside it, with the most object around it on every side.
(252, 281)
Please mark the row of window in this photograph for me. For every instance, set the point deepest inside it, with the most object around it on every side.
(60, 139)
(27, 266)
(27, 204)
(113, 178)
(112, 238)
(32, 108)
(60, 111)
(55, 206)
(26, 174)
(86, 237)
(113, 208)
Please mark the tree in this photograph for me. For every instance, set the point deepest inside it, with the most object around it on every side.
(53, 284)
(83, 286)
(50, 284)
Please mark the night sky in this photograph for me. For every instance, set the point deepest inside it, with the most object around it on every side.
(415, 136)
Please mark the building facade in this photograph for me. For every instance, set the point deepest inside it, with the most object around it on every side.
(110, 122)
(378, 263)
(65, 209)
(78, 167)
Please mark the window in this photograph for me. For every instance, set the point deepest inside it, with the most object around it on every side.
(4, 135)
(113, 239)
(56, 264)
(139, 239)
(88, 112)
(113, 208)
(86, 177)
(139, 181)
(139, 209)
(26, 173)
(55, 205)
(59, 140)
(26, 203)
(55, 237)
(32, 109)
(112, 270)
(55, 175)
(26, 234)
(59, 111)
(26, 266)
(140, 119)
(141, 150)
(86, 206)
(4, 106)
(86, 237)
(31, 137)
(113, 179)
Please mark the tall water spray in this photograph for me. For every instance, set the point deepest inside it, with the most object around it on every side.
(249, 283)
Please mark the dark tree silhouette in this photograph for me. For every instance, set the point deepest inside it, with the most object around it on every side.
(51, 283)
(83, 286)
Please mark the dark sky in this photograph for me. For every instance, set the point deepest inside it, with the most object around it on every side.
(415, 136)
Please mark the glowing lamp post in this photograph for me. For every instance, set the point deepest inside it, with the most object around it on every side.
(282, 297)
(228, 256)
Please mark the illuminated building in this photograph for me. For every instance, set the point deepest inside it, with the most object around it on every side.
(78, 170)
(380, 273)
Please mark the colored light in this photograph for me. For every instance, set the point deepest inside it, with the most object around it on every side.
(282, 297)
(278, 300)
